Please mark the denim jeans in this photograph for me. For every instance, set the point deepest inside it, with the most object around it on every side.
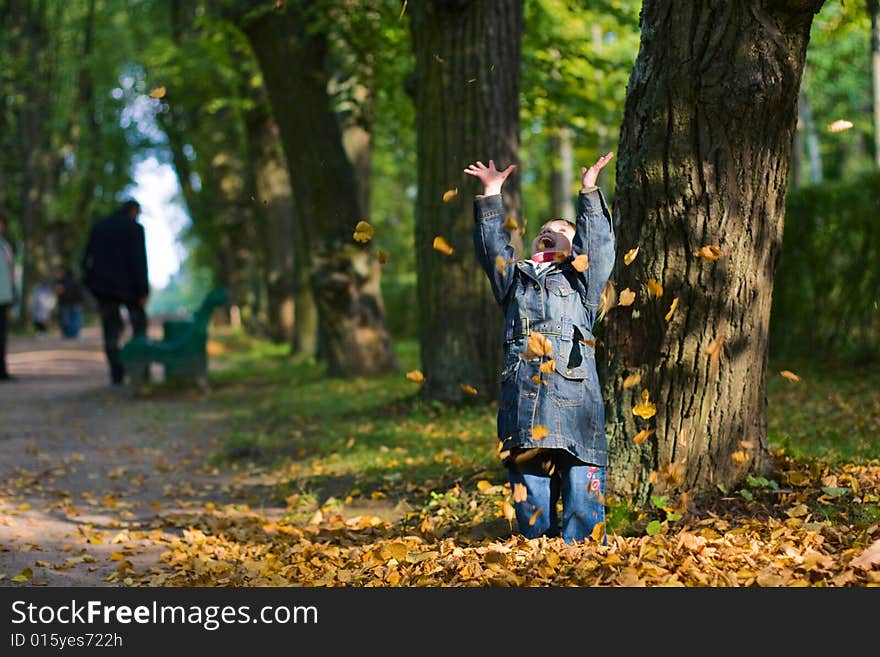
(70, 318)
(581, 486)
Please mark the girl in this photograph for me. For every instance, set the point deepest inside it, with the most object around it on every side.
(551, 416)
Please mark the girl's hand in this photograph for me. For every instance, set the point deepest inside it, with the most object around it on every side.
(590, 175)
(490, 176)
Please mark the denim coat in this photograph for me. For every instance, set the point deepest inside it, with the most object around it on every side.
(561, 303)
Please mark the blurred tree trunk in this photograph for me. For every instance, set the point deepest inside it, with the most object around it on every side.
(704, 154)
(811, 137)
(874, 15)
(467, 109)
(353, 336)
(562, 189)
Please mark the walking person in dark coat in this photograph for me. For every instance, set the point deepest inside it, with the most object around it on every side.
(114, 268)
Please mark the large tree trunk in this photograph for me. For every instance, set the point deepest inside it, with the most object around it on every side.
(353, 335)
(562, 189)
(704, 152)
(467, 109)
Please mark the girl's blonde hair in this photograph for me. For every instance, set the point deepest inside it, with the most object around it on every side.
(606, 300)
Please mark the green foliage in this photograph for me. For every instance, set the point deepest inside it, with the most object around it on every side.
(825, 290)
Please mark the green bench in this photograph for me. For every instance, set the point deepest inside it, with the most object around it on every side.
(182, 350)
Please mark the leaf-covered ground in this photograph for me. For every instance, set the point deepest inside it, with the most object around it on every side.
(281, 477)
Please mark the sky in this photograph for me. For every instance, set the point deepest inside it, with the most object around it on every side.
(163, 217)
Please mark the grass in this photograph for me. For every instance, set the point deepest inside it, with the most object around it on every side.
(367, 440)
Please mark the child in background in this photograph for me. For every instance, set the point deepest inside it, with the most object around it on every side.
(551, 416)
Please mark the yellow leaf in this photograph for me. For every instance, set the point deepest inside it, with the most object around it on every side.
(630, 255)
(363, 232)
(654, 288)
(468, 390)
(441, 245)
(157, 92)
(632, 380)
(510, 223)
(791, 376)
(450, 194)
(539, 432)
(840, 125)
(642, 436)
(483, 484)
(416, 376)
(382, 256)
(520, 492)
(501, 264)
(581, 262)
(671, 309)
(548, 366)
(534, 517)
(23, 576)
(708, 252)
(537, 345)
(117, 556)
(509, 511)
(645, 409)
(739, 457)
(598, 532)
(627, 296)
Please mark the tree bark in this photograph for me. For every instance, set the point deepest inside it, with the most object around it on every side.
(467, 109)
(353, 336)
(704, 152)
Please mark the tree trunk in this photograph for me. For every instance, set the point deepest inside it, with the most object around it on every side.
(353, 336)
(704, 153)
(814, 156)
(467, 109)
(874, 15)
(562, 189)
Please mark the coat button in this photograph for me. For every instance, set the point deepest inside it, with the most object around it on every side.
(532, 395)
(536, 287)
(568, 371)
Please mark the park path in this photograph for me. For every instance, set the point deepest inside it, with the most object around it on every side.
(93, 479)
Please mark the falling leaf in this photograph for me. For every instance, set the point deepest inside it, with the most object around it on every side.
(840, 125)
(501, 264)
(632, 380)
(630, 255)
(520, 492)
(537, 345)
(483, 485)
(713, 349)
(450, 194)
(709, 252)
(791, 376)
(740, 457)
(382, 256)
(654, 288)
(440, 244)
(581, 262)
(598, 532)
(672, 308)
(642, 436)
(548, 366)
(746, 444)
(157, 92)
(539, 432)
(509, 511)
(645, 409)
(627, 296)
(468, 390)
(510, 223)
(363, 232)
(535, 517)
(416, 376)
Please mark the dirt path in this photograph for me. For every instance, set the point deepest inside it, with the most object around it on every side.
(92, 477)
